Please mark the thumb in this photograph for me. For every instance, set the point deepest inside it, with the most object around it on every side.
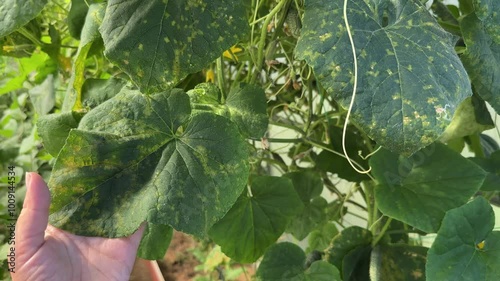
(33, 220)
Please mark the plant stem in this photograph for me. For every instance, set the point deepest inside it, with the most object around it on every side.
(220, 79)
(382, 232)
(262, 40)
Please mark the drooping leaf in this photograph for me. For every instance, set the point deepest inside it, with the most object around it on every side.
(245, 105)
(466, 248)
(16, 13)
(256, 221)
(492, 166)
(89, 35)
(76, 17)
(43, 96)
(55, 128)
(410, 79)
(142, 157)
(285, 262)
(350, 239)
(481, 34)
(398, 262)
(158, 42)
(155, 241)
(420, 189)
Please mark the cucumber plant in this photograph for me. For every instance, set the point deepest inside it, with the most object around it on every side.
(238, 121)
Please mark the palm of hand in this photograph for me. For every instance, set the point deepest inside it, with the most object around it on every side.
(47, 253)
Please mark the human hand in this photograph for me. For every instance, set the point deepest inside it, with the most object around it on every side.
(44, 252)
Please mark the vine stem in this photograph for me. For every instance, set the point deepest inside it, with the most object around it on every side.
(263, 35)
(354, 88)
(382, 232)
(220, 78)
(154, 270)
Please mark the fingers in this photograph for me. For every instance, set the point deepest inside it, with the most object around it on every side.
(136, 237)
(32, 222)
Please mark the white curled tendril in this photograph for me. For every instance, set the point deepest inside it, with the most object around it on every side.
(354, 87)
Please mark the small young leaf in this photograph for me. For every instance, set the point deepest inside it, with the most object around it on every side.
(286, 262)
(420, 189)
(245, 105)
(158, 43)
(466, 248)
(410, 79)
(255, 222)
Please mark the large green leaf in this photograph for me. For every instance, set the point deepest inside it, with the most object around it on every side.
(410, 79)
(256, 221)
(420, 189)
(481, 34)
(286, 262)
(142, 157)
(159, 42)
(16, 13)
(245, 105)
(466, 248)
(398, 262)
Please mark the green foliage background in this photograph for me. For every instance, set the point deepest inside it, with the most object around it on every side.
(225, 120)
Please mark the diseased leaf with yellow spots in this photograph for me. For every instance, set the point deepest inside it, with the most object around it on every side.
(140, 157)
(410, 80)
(245, 105)
(481, 34)
(158, 43)
(466, 247)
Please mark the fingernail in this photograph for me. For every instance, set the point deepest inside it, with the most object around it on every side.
(28, 179)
